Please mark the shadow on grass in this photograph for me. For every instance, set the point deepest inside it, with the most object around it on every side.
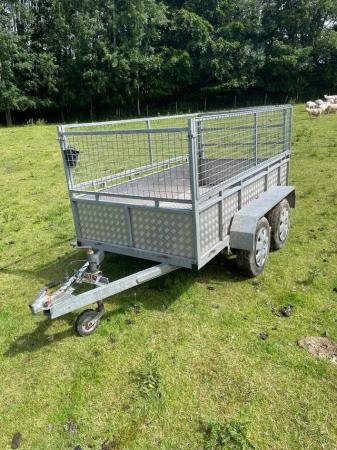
(31, 342)
(9, 268)
(156, 294)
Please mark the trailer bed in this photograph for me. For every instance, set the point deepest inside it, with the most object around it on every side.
(155, 185)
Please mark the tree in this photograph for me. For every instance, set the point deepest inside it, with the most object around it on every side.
(325, 58)
(26, 77)
(140, 24)
(89, 57)
(294, 30)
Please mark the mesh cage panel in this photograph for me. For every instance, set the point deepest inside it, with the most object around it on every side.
(149, 158)
(231, 144)
(144, 162)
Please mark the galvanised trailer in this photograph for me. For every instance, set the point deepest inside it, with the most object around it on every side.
(176, 190)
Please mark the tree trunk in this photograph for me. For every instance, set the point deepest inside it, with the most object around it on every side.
(92, 111)
(9, 121)
(138, 104)
(114, 40)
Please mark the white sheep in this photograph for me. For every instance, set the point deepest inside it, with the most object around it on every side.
(319, 102)
(332, 108)
(314, 112)
(324, 107)
(331, 98)
(311, 104)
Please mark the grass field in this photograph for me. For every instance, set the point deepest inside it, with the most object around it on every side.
(177, 363)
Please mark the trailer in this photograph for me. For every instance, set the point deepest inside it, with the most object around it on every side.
(174, 190)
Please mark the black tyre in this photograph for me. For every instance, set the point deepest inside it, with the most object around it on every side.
(87, 322)
(253, 262)
(279, 221)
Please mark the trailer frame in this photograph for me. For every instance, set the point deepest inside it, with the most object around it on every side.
(177, 194)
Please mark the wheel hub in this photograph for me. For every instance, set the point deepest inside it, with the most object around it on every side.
(284, 224)
(262, 246)
(89, 325)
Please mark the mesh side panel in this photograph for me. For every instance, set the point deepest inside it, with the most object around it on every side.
(231, 144)
(150, 164)
(150, 157)
(270, 134)
(225, 148)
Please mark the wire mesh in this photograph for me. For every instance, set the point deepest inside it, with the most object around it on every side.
(149, 158)
(231, 144)
(148, 162)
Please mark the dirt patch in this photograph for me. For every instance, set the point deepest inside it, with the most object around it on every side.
(71, 426)
(16, 441)
(320, 347)
(286, 311)
(109, 445)
(129, 322)
(264, 335)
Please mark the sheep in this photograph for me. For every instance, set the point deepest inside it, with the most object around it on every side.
(314, 112)
(331, 98)
(319, 102)
(332, 107)
(324, 107)
(311, 104)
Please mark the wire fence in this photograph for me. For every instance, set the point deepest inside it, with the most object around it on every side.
(150, 158)
(231, 144)
(150, 163)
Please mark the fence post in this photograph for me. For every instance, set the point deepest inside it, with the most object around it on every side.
(284, 130)
(193, 169)
(200, 139)
(193, 166)
(255, 137)
(149, 139)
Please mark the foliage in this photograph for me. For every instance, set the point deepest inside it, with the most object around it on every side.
(98, 56)
(147, 378)
(233, 435)
(27, 71)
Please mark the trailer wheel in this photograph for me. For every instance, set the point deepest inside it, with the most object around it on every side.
(87, 322)
(253, 262)
(279, 220)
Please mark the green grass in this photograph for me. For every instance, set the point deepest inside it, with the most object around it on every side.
(188, 371)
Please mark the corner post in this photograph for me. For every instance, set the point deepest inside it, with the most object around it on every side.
(255, 138)
(193, 170)
(149, 139)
